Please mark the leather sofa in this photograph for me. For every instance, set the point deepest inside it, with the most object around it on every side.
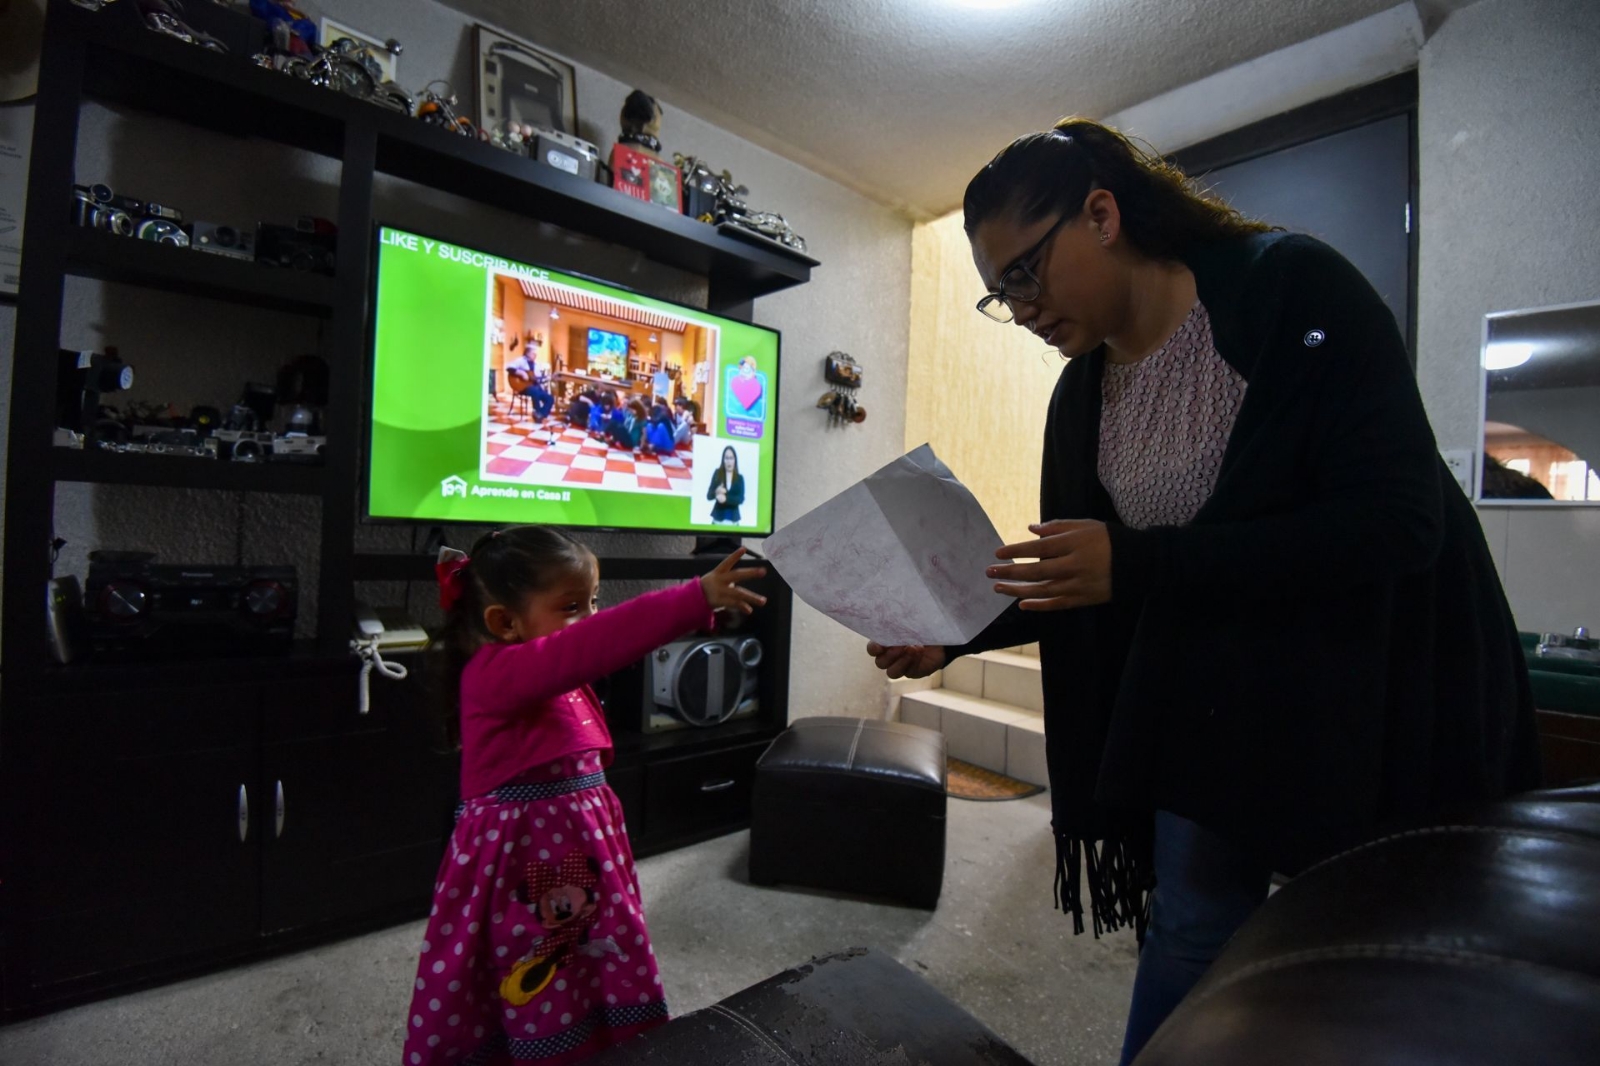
(1471, 943)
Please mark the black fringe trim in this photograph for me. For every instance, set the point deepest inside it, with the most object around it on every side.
(1120, 885)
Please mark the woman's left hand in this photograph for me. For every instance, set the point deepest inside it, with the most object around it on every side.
(1073, 568)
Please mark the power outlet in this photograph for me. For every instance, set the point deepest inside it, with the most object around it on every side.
(1459, 460)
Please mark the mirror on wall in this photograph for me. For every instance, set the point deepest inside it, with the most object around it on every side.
(1541, 407)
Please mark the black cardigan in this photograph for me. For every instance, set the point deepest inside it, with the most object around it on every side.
(1325, 649)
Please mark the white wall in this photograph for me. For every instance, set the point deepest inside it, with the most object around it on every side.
(192, 351)
(1509, 149)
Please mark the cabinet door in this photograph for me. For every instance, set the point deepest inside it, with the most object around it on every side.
(699, 795)
(139, 847)
(356, 814)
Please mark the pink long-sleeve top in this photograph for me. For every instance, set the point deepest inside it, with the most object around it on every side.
(530, 703)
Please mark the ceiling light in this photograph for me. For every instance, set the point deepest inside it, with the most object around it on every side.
(554, 313)
(985, 5)
(1503, 355)
(652, 338)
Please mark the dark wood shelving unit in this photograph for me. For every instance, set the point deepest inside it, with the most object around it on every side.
(380, 566)
(162, 743)
(184, 472)
(107, 257)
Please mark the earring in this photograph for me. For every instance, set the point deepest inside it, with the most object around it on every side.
(1104, 236)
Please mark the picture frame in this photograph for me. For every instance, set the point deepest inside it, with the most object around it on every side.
(387, 61)
(546, 88)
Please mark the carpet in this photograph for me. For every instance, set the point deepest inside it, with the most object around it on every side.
(966, 781)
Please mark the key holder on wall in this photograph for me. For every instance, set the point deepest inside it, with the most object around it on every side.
(844, 374)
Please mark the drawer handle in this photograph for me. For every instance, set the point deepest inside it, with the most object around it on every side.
(244, 814)
(717, 786)
(278, 813)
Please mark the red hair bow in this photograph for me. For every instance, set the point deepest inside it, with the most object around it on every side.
(452, 582)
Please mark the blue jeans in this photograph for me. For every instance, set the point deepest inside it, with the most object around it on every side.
(542, 399)
(1205, 889)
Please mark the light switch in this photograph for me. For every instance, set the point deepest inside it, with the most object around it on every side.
(1459, 460)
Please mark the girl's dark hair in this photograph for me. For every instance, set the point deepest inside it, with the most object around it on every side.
(504, 567)
(636, 408)
(1165, 214)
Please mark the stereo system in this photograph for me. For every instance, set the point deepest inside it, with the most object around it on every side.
(702, 681)
(697, 683)
(140, 608)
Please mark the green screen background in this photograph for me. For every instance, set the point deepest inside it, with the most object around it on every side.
(429, 381)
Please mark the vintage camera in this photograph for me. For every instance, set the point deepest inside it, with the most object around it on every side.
(565, 152)
(81, 379)
(138, 607)
(309, 245)
(218, 239)
(161, 231)
(165, 440)
(96, 207)
(298, 448)
(240, 445)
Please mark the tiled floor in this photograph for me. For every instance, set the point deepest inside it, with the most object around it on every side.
(524, 450)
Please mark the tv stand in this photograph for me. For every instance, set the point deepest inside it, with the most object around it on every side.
(718, 545)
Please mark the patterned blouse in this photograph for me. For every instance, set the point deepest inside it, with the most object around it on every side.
(1164, 424)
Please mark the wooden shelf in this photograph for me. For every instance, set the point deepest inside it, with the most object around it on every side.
(97, 254)
(394, 567)
(303, 660)
(229, 94)
(183, 472)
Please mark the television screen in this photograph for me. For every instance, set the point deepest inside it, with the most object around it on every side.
(608, 353)
(502, 393)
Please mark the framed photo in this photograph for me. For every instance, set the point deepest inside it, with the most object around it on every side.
(386, 60)
(515, 82)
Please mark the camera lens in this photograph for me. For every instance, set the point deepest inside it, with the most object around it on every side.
(101, 193)
(118, 222)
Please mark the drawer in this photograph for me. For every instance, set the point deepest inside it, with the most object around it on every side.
(701, 792)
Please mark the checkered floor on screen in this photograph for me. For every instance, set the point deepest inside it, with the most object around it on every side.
(551, 452)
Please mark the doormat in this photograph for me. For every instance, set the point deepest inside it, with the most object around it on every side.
(968, 782)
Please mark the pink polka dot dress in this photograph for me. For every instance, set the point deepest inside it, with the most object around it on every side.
(536, 949)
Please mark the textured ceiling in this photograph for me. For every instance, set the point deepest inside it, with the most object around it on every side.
(905, 99)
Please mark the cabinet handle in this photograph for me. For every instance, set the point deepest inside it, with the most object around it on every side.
(244, 814)
(278, 813)
(717, 786)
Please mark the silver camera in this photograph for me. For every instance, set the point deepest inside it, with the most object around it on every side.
(240, 445)
(298, 448)
(231, 241)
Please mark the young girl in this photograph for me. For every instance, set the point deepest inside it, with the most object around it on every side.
(536, 950)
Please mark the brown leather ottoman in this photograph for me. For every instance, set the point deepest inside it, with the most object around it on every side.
(854, 805)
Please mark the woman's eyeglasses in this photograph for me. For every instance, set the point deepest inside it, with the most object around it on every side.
(1019, 282)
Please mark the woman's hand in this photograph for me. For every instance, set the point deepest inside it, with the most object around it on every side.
(1073, 568)
(910, 660)
(722, 494)
(722, 586)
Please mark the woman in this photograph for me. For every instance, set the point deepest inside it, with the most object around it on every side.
(727, 489)
(1268, 621)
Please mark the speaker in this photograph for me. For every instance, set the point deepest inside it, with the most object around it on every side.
(703, 681)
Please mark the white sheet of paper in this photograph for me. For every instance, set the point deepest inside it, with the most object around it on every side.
(899, 557)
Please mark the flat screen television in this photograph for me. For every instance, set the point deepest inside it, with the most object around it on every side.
(488, 404)
(608, 353)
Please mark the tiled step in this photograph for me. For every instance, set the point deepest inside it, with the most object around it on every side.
(986, 733)
(899, 687)
(1001, 676)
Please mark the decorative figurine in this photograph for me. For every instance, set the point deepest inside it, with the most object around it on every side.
(636, 165)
